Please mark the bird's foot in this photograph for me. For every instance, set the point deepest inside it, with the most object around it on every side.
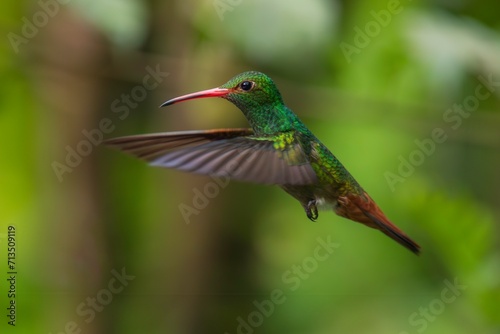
(311, 210)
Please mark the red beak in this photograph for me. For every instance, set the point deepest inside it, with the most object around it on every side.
(214, 92)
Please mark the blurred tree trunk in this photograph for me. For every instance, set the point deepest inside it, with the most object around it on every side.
(211, 261)
(70, 54)
(195, 255)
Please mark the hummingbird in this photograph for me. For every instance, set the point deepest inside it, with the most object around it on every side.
(277, 149)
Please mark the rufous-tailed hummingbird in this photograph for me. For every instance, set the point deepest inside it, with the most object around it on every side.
(278, 149)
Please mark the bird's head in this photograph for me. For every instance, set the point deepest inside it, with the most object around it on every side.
(250, 91)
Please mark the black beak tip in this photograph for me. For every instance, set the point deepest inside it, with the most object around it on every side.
(164, 104)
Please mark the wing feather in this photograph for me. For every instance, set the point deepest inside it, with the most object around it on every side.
(225, 152)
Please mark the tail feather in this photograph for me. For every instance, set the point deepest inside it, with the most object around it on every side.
(395, 233)
(363, 209)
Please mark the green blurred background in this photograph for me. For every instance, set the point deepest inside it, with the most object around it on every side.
(369, 78)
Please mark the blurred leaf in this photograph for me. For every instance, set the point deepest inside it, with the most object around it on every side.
(294, 37)
(123, 21)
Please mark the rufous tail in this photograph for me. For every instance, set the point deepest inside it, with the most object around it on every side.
(364, 210)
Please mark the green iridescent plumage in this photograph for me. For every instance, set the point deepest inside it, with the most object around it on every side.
(278, 149)
(263, 105)
(267, 114)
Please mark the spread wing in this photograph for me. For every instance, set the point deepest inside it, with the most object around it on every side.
(233, 153)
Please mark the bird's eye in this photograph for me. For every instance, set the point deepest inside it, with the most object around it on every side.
(246, 85)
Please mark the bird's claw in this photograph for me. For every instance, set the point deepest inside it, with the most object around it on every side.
(312, 210)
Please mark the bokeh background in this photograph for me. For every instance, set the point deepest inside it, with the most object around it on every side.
(369, 78)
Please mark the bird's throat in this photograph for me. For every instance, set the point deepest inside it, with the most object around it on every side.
(271, 120)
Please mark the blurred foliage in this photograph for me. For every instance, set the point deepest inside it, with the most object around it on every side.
(370, 107)
(124, 22)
